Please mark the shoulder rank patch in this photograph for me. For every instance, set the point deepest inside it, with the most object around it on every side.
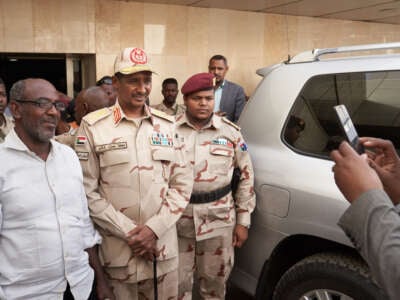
(231, 123)
(161, 114)
(97, 115)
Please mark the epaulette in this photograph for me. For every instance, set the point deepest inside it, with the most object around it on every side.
(163, 115)
(97, 115)
(231, 123)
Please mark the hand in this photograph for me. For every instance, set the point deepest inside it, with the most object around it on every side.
(240, 234)
(142, 241)
(353, 175)
(103, 290)
(385, 161)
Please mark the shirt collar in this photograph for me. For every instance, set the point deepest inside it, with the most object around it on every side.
(215, 122)
(222, 84)
(13, 141)
(119, 115)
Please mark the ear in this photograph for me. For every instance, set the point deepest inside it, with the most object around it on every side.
(85, 108)
(15, 109)
(115, 82)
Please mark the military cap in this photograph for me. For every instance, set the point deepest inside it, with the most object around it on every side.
(132, 60)
(198, 82)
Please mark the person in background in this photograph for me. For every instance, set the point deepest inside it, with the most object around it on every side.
(170, 92)
(218, 216)
(229, 97)
(48, 241)
(88, 100)
(6, 122)
(137, 183)
(106, 84)
(372, 221)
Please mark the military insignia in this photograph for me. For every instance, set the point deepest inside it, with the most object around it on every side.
(82, 155)
(162, 114)
(243, 146)
(117, 114)
(80, 140)
(112, 146)
(161, 139)
(138, 56)
(97, 115)
(230, 123)
(222, 141)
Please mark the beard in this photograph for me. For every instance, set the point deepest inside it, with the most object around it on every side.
(38, 131)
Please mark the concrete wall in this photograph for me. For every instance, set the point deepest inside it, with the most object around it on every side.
(178, 39)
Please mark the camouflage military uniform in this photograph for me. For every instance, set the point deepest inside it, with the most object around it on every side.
(6, 127)
(205, 230)
(134, 173)
(175, 110)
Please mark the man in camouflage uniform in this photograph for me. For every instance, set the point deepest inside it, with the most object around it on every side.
(88, 100)
(170, 92)
(6, 123)
(137, 183)
(215, 221)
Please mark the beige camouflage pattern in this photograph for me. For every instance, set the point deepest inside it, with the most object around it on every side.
(166, 285)
(205, 230)
(130, 180)
(175, 110)
(6, 127)
(67, 138)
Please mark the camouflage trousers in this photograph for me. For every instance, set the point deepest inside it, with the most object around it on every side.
(211, 259)
(144, 290)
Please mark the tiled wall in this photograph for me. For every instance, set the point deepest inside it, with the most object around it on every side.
(179, 39)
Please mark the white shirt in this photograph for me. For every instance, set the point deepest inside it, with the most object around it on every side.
(44, 224)
(217, 97)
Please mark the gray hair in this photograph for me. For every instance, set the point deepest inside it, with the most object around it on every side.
(17, 90)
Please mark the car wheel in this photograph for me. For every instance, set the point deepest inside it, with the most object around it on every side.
(328, 276)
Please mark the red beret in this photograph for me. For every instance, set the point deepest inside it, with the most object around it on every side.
(198, 82)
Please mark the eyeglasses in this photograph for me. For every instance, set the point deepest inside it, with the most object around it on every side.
(45, 103)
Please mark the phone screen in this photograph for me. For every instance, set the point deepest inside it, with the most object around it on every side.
(348, 127)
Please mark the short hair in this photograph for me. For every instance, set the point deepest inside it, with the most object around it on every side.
(218, 57)
(104, 80)
(17, 90)
(169, 81)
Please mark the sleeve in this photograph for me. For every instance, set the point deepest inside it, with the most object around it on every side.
(240, 101)
(1, 217)
(245, 199)
(373, 226)
(102, 211)
(177, 196)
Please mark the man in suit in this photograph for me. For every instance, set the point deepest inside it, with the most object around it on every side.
(229, 97)
(372, 221)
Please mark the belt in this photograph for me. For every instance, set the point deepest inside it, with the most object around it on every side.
(210, 196)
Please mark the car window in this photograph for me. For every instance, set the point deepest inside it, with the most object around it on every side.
(372, 99)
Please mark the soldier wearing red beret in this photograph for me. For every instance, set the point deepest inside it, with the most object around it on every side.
(217, 218)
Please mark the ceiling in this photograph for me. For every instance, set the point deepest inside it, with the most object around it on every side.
(381, 11)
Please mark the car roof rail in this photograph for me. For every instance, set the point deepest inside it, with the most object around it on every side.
(314, 55)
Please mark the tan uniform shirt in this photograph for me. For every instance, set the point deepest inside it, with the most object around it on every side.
(134, 173)
(215, 151)
(67, 138)
(175, 110)
(6, 127)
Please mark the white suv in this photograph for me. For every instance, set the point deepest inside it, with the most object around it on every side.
(295, 249)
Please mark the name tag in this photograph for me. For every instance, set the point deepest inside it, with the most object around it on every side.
(82, 155)
(112, 146)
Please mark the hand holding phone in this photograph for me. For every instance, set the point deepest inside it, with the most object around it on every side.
(348, 128)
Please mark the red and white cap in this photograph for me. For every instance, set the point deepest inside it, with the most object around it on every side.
(132, 60)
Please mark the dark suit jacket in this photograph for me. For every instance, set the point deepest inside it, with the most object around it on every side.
(233, 100)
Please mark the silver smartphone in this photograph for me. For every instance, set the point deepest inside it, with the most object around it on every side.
(348, 128)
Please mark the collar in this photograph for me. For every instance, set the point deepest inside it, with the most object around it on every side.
(12, 141)
(222, 84)
(119, 115)
(215, 122)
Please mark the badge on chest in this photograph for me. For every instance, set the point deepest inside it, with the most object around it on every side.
(161, 139)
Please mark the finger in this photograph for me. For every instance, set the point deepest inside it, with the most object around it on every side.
(336, 156)
(134, 231)
(346, 150)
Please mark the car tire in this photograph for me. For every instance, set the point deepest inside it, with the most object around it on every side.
(328, 276)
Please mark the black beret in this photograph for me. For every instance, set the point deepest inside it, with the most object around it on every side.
(198, 82)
